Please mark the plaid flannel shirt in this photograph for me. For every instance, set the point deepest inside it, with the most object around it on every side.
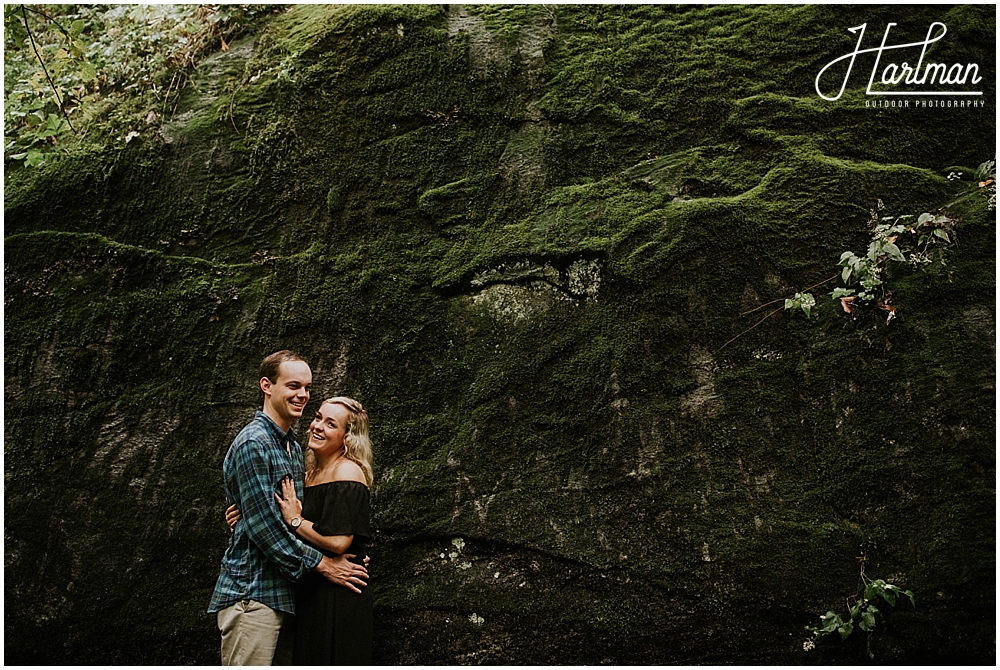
(264, 558)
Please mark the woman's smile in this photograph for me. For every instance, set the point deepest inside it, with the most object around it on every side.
(328, 429)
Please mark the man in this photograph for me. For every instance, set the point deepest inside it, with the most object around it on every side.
(254, 597)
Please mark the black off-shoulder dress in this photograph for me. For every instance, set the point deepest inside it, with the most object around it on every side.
(333, 626)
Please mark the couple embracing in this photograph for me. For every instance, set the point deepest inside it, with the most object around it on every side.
(293, 584)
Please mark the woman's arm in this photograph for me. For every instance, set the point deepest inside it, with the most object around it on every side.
(338, 544)
(291, 509)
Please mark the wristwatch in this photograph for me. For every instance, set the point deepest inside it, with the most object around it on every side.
(296, 522)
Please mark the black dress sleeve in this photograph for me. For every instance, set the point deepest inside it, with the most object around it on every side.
(346, 508)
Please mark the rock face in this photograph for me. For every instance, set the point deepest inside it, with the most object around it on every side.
(531, 240)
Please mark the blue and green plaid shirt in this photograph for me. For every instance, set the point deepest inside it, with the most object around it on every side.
(264, 558)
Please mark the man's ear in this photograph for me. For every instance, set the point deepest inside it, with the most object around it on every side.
(265, 385)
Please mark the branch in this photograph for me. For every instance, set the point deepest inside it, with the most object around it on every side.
(55, 92)
(750, 328)
(47, 18)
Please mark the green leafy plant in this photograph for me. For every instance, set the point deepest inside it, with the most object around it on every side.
(861, 611)
(904, 240)
(865, 276)
(43, 61)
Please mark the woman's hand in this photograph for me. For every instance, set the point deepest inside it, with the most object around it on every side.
(232, 516)
(290, 505)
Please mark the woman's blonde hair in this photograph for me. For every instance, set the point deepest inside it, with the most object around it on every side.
(357, 444)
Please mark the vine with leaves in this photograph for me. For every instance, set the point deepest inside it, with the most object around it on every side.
(862, 609)
(906, 240)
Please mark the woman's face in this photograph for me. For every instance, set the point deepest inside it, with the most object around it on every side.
(327, 430)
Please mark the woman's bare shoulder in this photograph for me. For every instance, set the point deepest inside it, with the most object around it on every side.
(349, 471)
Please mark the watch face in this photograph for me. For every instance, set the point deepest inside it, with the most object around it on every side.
(296, 521)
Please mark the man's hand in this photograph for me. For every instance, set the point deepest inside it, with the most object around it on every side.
(342, 572)
(232, 516)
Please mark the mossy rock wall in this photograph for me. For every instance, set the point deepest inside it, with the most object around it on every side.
(531, 240)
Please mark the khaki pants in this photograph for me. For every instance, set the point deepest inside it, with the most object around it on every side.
(255, 634)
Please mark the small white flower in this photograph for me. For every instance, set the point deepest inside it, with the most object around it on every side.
(808, 645)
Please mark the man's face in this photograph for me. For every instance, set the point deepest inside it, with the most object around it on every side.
(288, 394)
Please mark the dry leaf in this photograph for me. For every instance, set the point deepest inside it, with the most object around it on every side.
(131, 136)
(846, 301)
(225, 47)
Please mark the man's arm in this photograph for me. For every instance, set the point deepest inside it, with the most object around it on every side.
(342, 572)
(256, 476)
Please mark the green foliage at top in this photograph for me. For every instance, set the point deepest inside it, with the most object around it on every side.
(864, 277)
(69, 68)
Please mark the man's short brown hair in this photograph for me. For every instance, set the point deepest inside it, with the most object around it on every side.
(269, 367)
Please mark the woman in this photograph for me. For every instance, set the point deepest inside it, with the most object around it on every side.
(333, 626)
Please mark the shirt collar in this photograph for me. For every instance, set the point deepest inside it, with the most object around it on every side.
(274, 430)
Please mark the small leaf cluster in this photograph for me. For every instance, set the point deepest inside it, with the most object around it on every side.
(864, 277)
(803, 301)
(862, 612)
